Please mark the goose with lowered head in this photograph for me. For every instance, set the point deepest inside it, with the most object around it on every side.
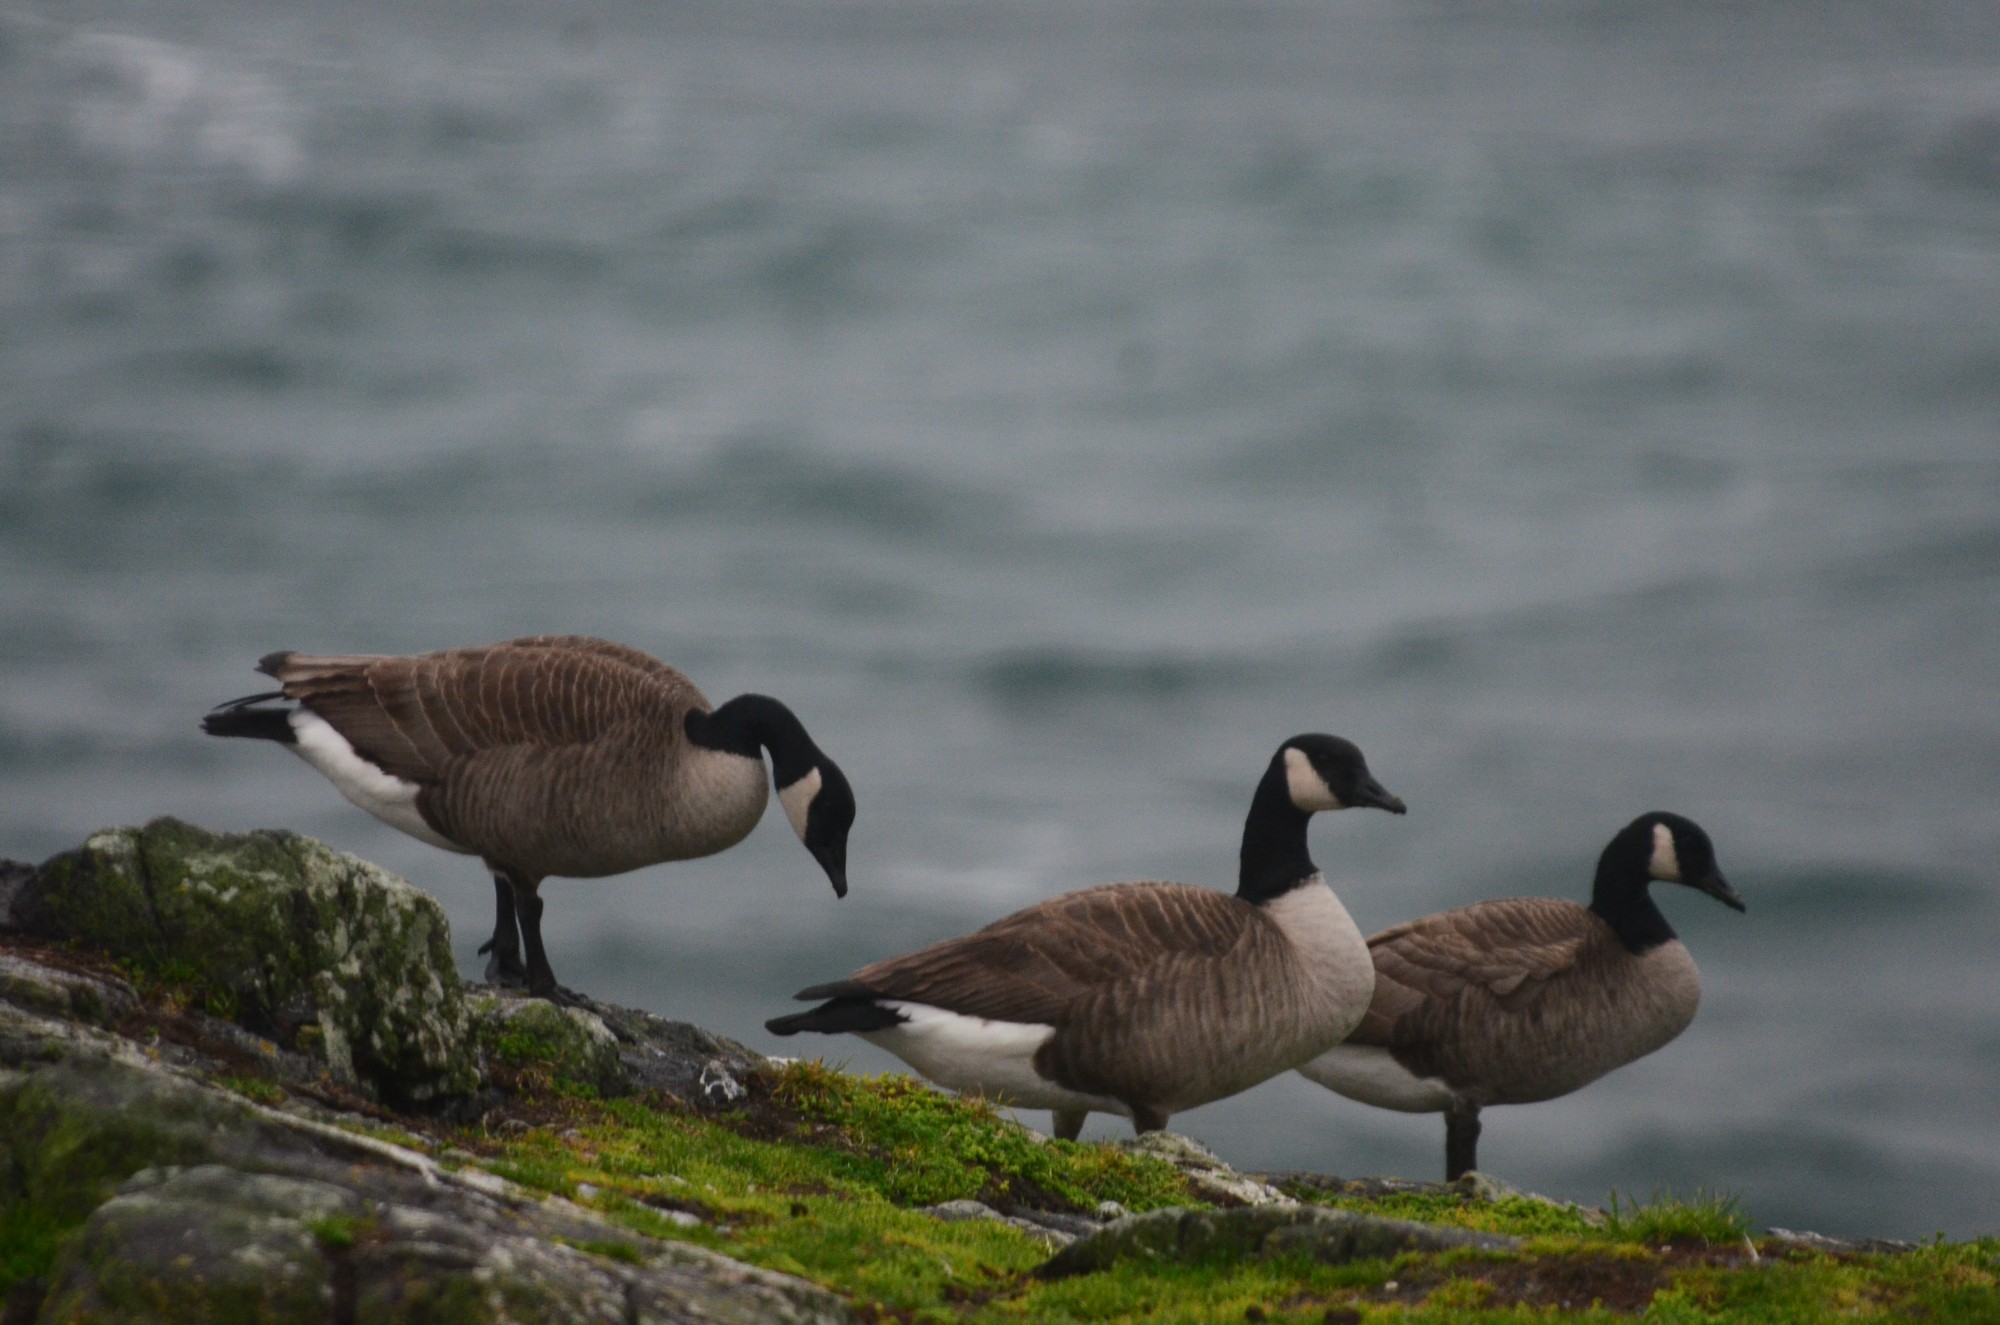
(555, 755)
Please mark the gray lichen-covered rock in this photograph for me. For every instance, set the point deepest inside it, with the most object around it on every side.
(1474, 1187)
(1055, 1229)
(1256, 1232)
(209, 1243)
(198, 1206)
(1820, 1242)
(698, 1066)
(1208, 1177)
(95, 1000)
(612, 1049)
(318, 949)
(241, 1246)
(81, 1111)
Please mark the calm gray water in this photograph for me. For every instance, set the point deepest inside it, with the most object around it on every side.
(1587, 408)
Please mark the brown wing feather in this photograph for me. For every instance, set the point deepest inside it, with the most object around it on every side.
(418, 716)
(1500, 952)
(1036, 965)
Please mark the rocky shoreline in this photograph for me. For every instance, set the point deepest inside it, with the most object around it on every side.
(238, 1075)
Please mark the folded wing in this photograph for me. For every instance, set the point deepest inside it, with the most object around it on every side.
(414, 716)
(1037, 965)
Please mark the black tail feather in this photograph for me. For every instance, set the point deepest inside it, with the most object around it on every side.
(239, 718)
(838, 1015)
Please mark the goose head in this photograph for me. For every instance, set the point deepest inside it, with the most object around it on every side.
(1308, 774)
(1327, 773)
(820, 806)
(1676, 850)
(811, 787)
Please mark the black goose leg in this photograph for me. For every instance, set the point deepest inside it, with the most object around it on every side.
(504, 967)
(1146, 1120)
(1461, 1140)
(1069, 1123)
(541, 979)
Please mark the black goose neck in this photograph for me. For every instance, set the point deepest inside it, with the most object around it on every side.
(1274, 859)
(748, 723)
(1621, 897)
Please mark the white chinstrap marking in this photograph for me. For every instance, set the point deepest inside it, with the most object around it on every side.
(1370, 1074)
(979, 1056)
(797, 800)
(387, 797)
(1666, 863)
(1308, 789)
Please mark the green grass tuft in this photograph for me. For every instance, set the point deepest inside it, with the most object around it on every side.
(1707, 1217)
(339, 1230)
(261, 1089)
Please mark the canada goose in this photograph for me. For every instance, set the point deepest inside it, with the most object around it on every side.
(1514, 1001)
(1139, 999)
(552, 755)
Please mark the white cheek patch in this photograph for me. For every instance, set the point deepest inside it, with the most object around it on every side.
(1666, 862)
(1308, 789)
(387, 797)
(797, 800)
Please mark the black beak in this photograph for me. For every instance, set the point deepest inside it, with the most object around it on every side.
(836, 869)
(1718, 887)
(1370, 792)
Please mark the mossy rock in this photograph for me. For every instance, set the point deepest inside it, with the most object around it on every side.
(297, 941)
(80, 1113)
(570, 1046)
(1194, 1237)
(205, 1244)
(91, 1000)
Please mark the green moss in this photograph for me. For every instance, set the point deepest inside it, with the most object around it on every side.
(339, 1230)
(458, 1300)
(29, 1240)
(920, 1146)
(63, 1160)
(394, 1136)
(97, 892)
(535, 1045)
(627, 1252)
(820, 1185)
(1944, 1284)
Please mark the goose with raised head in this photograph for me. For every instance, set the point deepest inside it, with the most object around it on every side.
(551, 756)
(1140, 999)
(1528, 998)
